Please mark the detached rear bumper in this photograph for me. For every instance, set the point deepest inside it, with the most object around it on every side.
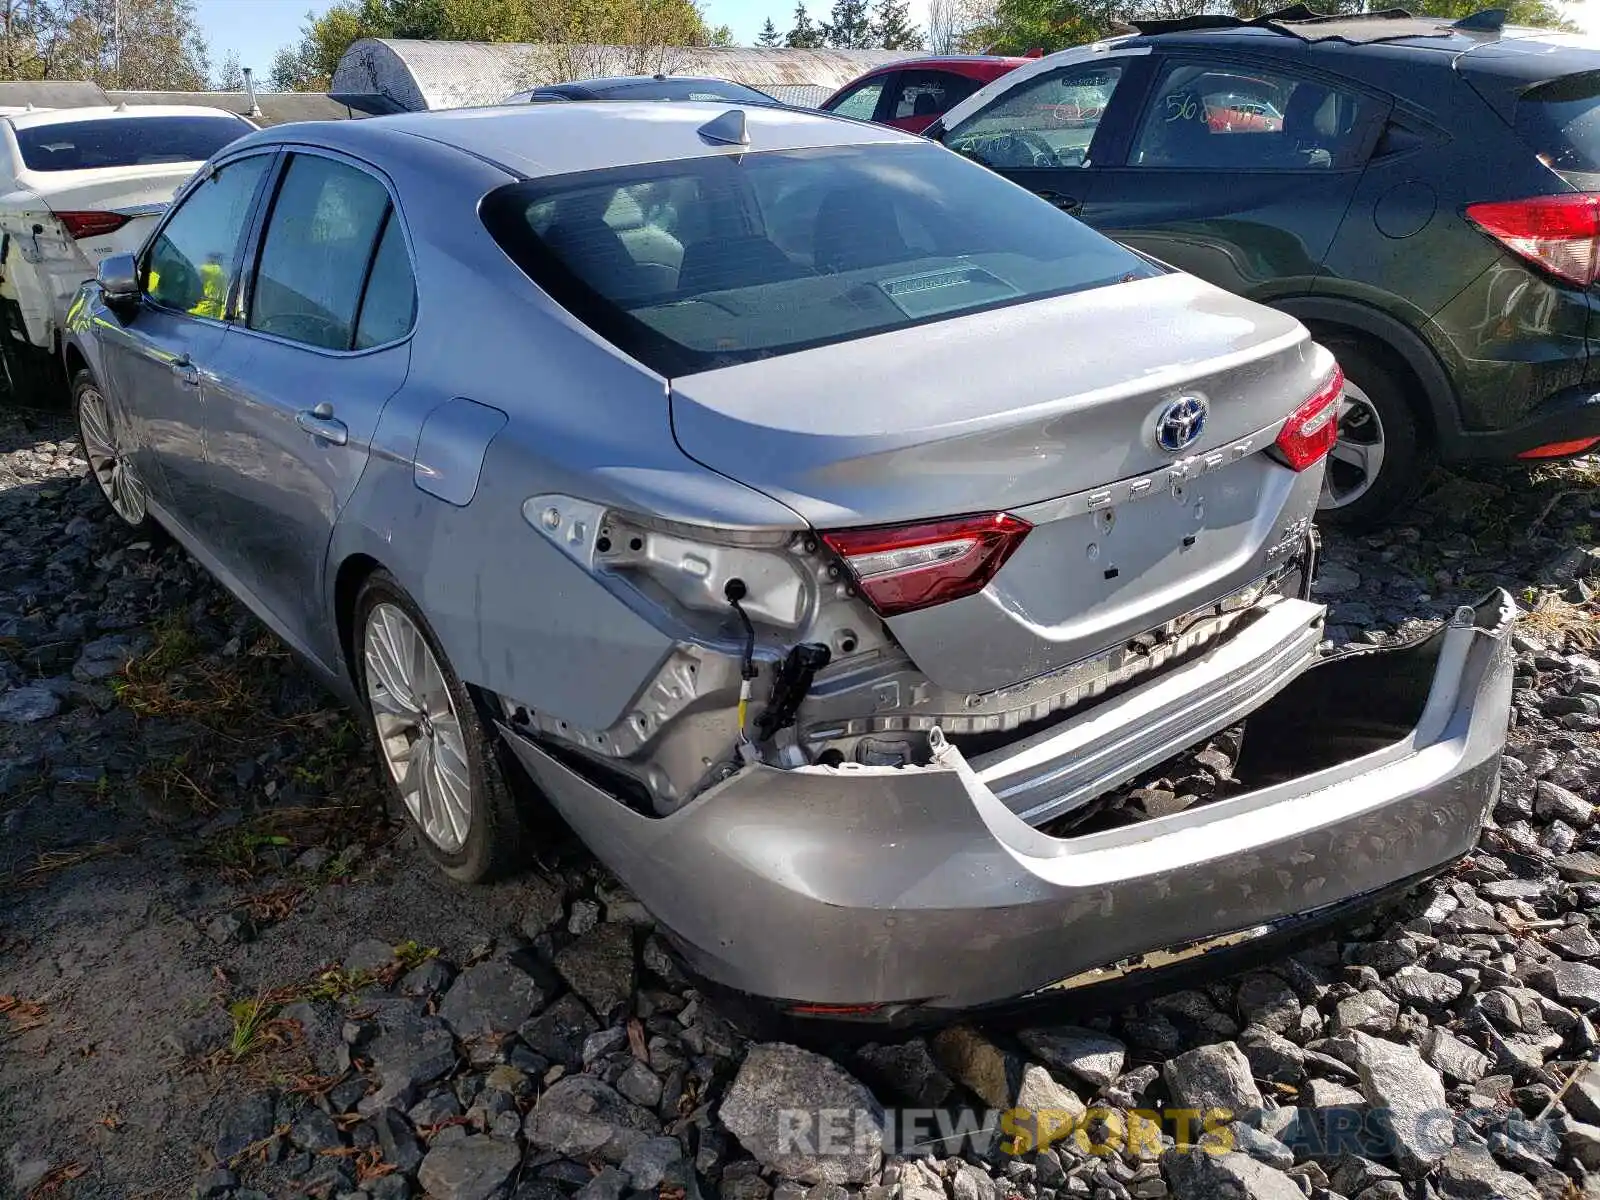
(919, 886)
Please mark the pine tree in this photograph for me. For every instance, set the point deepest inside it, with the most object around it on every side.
(805, 35)
(850, 28)
(769, 35)
(890, 28)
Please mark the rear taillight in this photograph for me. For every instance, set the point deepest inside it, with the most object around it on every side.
(1312, 429)
(1559, 233)
(91, 224)
(899, 568)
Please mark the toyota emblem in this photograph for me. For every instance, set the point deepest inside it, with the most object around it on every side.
(1181, 423)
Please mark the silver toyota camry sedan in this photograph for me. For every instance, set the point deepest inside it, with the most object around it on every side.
(829, 529)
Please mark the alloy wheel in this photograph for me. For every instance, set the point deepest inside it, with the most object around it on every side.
(419, 730)
(122, 488)
(1357, 457)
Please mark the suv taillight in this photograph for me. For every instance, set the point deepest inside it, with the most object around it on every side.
(1312, 429)
(1559, 233)
(899, 568)
(91, 224)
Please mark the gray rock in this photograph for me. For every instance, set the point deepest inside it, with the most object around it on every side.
(1048, 1101)
(584, 917)
(609, 1184)
(1096, 1058)
(649, 1162)
(315, 1131)
(545, 904)
(559, 1031)
(597, 1045)
(1581, 866)
(1324, 1093)
(1261, 1146)
(396, 1142)
(1334, 579)
(412, 1051)
(1582, 1098)
(804, 1116)
(1369, 1012)
(969, 1183)
(26, 705)
(474, 1168)
(918, 1182)
(1452, 1057)
(640, 1084)
(1266, 1000)
(1574, 983)
(426, 979)
(1469, 1173)
(580, 1117)
(1198, 1174)
(908, 1069)
(1553, 802)
(599, 967)
(1394, 1078)
(105, 657)
(1425, 989)
(978, 1064)
(1216, 1076)
(1573, 941)
(369, 955)
(246, 1122)
(489, 998)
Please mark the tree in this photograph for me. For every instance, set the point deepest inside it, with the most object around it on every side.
(229, 75)
(769, 35)
(580, 38)
(890, 28)
(146, 44)
(804, 34)
(850, 28)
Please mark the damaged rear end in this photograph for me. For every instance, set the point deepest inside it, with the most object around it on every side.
(1052, 526)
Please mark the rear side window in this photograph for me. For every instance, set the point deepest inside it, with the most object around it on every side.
(320, 238)
(1560, 121)
(126, 142)
(929, 93)
(1241, 118)
(861, 101)
(390, 305)
(725, 259)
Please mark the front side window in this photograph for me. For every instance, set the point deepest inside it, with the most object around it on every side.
(713, 261)
(193, 261)
(861, 102)
(1238, 118)
(320, 237)
(126, 141)
(1047, 121)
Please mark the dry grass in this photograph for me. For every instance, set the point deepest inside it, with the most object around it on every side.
(49, 862)
(1556, 621)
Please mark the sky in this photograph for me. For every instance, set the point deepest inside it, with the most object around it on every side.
(255, 29)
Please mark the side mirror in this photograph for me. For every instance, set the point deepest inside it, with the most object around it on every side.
(118, 278)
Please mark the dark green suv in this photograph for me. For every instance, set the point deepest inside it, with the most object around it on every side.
(1424, 195)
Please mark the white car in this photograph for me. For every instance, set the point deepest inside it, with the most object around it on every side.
(78, 184)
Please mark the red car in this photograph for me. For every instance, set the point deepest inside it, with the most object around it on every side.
(913, 94)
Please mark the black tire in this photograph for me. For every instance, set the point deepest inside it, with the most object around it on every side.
(492, 844)
(84, 385)
(1408, 452)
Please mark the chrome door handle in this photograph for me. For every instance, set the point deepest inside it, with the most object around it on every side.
(320, 422)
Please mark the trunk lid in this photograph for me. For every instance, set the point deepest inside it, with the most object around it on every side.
(1049, 411)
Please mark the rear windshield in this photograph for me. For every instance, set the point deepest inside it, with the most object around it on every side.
(684, 89)
(708, 262)
(1560, 121)
(126, 142)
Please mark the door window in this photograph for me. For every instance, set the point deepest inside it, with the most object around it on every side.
(319, 241)
(1047, 121)
(928, 93)
(861, 102)
(194, 259)
(390, 304)
(1220, 117)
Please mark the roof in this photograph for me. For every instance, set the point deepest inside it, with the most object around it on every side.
(276, 108)
(104, 112)
(62, 93)
(558, 139)
(416, 76)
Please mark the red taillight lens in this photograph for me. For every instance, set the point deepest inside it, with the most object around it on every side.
(1561, 449)
(1312, 429)
(904, 567)
(91, 224)
(1559, 233)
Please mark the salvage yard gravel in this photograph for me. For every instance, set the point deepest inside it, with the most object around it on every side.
(224, 974)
